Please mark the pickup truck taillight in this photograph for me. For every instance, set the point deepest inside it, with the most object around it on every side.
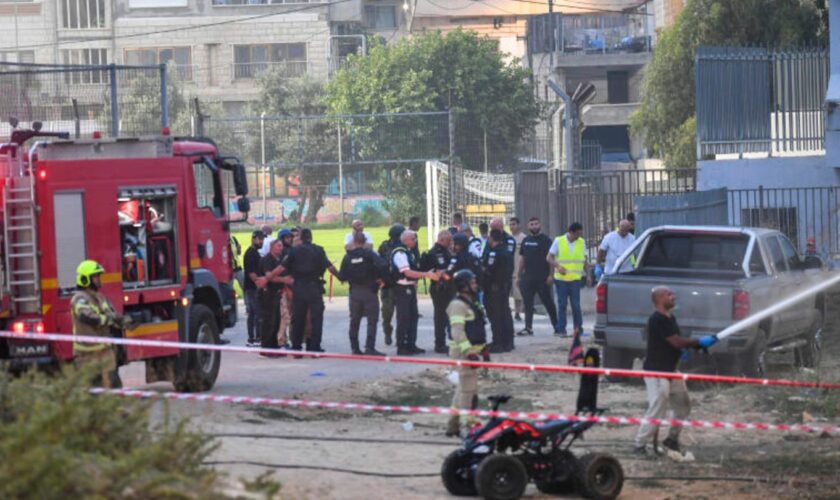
(740, 304)
(601, 298)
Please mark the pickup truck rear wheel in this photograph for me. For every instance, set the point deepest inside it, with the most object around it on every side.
(754, 362)
(615, 357)
(808, 356)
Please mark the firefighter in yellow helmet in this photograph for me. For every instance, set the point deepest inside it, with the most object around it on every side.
(93, 315)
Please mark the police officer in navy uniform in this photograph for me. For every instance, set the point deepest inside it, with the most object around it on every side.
(462, 258)
(510, 242)
(497, 264)
(437, 259)
(307, 264)
(406, 272)
(362, 267)
(386, 294)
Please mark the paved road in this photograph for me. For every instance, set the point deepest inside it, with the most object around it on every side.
(250, 374)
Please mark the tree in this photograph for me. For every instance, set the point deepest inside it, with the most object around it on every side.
(139, 102)
(433, 72)
(304, 143)
(665, 118)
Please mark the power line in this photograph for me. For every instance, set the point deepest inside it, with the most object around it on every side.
(180, 28)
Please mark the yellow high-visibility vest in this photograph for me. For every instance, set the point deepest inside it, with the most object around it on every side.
(573, 261)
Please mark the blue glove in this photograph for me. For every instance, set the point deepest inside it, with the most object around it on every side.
(707, 341)
(599, 271)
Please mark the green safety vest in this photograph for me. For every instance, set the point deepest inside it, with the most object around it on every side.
(573, 261)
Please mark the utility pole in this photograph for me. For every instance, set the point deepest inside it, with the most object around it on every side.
(553, 44)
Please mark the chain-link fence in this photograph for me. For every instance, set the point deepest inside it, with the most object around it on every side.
(112, 99)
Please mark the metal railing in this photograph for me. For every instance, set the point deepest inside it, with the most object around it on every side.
(112, 99)
(752, 100)
(590, 34)
(290, 69)
(799, 213)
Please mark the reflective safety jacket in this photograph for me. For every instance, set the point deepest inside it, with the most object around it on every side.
(93, 315)
(573, 261)
(466, 320)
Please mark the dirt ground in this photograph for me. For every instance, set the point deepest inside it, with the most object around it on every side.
(339, 454)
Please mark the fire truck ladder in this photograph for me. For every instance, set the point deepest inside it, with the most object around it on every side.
(21, 244)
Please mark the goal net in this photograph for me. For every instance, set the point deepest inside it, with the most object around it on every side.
(478, 196)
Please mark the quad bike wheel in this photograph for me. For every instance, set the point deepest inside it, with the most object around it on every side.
(501, 477)
(563, 480)
(456, 476)
(600, 476)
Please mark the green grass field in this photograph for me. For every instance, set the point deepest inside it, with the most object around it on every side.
(333, 242)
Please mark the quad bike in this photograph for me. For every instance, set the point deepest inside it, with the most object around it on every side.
(498, 459)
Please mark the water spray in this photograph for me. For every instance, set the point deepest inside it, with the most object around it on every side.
(759, 316)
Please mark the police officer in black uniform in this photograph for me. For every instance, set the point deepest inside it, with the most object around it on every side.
(462, 258)
(497, 264)
(437, 259)
(307, 264)
(405, 271)
(362, 267)
(510, 242)
(386, 294)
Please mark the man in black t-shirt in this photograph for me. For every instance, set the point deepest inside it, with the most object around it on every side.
(533, 275)
(270, 289)
(664, 349)
(251, 263)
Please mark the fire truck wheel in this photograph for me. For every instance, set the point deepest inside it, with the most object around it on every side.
(202, 366)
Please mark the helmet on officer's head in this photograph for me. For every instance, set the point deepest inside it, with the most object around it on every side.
(396, 231)
(86, 271)
(461, 239)
(462, 280)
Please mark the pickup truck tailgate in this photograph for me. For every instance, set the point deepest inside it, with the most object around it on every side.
(705, 309)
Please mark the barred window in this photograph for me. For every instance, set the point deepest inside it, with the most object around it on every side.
(250, 60)
(162, 55)
(82, 14)
(85, 57)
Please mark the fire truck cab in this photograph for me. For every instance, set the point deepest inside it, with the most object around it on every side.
(153, 211)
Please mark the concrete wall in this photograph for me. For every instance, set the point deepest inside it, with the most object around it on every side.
(787, 172)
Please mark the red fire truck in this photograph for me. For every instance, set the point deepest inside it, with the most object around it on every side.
(153, 212)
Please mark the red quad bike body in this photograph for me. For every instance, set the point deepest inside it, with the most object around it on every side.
(153, 211)
(499, 458)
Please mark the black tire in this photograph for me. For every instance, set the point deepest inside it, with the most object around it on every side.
(501, 477)
(456, 475)
(564, 475)
(600, 476)
(614, 357)
(808, 356)
(202, 366)
(754, 361)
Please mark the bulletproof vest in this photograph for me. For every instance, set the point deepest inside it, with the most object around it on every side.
(360, 269)
(308, 264)
(463, 260)
(475, 331)
(438, 258)
(510, 243)
(494, 270)
(412, 263)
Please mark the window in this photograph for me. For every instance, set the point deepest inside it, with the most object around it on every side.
(258, 2)
(250, 60)
(756, 262)
(147, 218)
(82, 14)
(208, 188)
(22, 56)
(776, 254)
(791, 257)
(617, 87)
(69, 236)
(162, 55)
(89, 57)
(697, 251)
(380, 17)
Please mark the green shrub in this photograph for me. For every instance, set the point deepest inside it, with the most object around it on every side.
(58, 440)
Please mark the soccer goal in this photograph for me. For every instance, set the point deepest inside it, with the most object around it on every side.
(479, 196)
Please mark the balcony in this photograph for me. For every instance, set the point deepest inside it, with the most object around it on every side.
(288, 69)
(590, 35)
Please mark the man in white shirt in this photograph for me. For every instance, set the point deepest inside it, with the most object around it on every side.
(358, 227)
(269, 237)
(614, 245)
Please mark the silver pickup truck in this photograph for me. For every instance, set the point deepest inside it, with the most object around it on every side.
(719, 275)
